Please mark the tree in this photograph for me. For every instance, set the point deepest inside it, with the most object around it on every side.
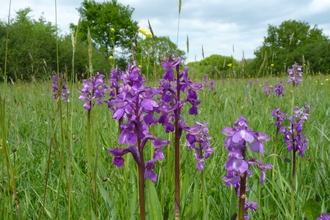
(32, 55)
(110, 25)
(28, 53)
(158, 48)
(215, 66)
(282, 41)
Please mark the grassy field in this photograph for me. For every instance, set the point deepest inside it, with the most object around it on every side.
(44, 171)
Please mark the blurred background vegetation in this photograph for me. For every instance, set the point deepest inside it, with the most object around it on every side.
(32, 47)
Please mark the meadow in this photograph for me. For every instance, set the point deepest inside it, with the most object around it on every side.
(44, 161)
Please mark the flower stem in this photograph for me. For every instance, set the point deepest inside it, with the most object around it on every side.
(241, 208)
(178, 132)
(242, 192)
(274, 158)
(203, 195)
(141, 186)
(293, 174)
(141, 165)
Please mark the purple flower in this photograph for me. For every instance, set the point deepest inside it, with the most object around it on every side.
(135, 106)
(169, 65)
(237, 165)
(295, 74)
(279, 89)
(212, 84)
(58, 81)
(293, 137)
(197, 139)
(324, 216)
(279, 116)
(205, 80)
(93, 88)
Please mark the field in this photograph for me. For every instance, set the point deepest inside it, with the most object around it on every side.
(46, 149)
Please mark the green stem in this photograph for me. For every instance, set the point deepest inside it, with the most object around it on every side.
(203, 195)
(274, 158)
(6, 53)
(293, 178)
(88, 149)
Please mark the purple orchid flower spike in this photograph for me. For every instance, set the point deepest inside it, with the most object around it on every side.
(237, 165)
(135, 106)
(93, 88)
(58, 81)
(295, 74)
(279, 89)
(197, 139)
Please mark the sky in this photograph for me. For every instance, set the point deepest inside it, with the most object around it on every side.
(230, 28)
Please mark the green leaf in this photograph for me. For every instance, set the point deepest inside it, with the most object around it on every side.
(154, 210)
(111, 209)
(133, 205)
(312, 209)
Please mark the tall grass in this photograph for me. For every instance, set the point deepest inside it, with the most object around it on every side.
(35, 153)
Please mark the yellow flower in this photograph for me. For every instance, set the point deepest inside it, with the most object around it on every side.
(321, 84)
(140, 66)
(112, 30)
(111, 58)
(316, 81)
(291, 91)
(272, 64)
(326, 79)
(271, 86)
(148, 35)
(229, 64)
(144, 32)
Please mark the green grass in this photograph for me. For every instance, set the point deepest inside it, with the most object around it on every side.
(48, 158)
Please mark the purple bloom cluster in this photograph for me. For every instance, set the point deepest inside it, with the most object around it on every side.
(207, 83)
(324, 216)
(65, 92)
(171, 104)
(279, 89)
(295, 74)
(238, 165)
(293, 137)
(197, 139)
(268, 89)
(93, 88)
(135, 103)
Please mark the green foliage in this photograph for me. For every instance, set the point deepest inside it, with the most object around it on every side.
(28, 52)
(151, 52)
(32, 55)
(216, 66)
(287, 44)
(312, 209)
(101, 19)
(34, 132)
(316, 56)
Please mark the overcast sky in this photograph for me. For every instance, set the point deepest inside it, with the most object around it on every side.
(217, 25)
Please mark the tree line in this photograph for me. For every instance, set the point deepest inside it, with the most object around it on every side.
(106, 35)
(106, 30)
